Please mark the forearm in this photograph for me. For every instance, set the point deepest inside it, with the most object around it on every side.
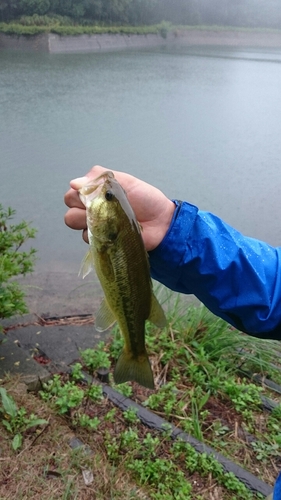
(237, 278)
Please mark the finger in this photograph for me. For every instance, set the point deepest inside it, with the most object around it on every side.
(72, 199)
(75, 218)
(81, 181)
(127, 181)
(85, 235)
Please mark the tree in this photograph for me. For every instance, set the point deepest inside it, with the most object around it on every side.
(142, 12)
(30, 7)
(116, 11)
(13, 263)
(94, 9)
(8, 9)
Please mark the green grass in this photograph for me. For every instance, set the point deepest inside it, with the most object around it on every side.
(19, 29)
(54, 26)
(216, 27)
(195, 362)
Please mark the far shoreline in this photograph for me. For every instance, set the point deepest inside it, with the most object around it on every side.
(54, 43)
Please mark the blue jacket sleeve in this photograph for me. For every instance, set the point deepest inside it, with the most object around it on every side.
(236, 277)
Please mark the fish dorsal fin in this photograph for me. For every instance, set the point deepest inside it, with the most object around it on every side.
(86, 265)
(157, 315)
(104, 318)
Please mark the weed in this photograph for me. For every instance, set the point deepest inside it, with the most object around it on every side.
(13, 263)
(264, 451)
(95, 392)
(219, 429)
(116, 343)
(196, 413)
(53, 25)
(198, 385)
(112, 447)
(86, 421)
(95, 358)
(243, 395)
(131, 415)
(65, 396)
(15, 419)
(125, 389)
(165, 398)
(130, 440)
(76, 372)
(164, 476)
(206, 464)
(110, 415)
(150, 445)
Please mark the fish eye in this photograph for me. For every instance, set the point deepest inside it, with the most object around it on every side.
(109, 196)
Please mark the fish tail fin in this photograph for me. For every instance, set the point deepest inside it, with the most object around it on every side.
(137, 369)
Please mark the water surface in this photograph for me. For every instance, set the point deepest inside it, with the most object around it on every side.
(203, 125)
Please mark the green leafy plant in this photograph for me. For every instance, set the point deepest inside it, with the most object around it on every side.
(66, 396)
(95, 358)
(63, 26)
(95, 392)
(264, 451)
(112, 447)
(164, 28)
(69, 397)
(13, 262)
(199, 390)
(88, 422)
(131, 415)
(164, 476)
(110, 416)
(15, 419)
(76, 372)
(196, 407)
(125, 389)
(206, 465)
(243, 396)
(166, 397)
(130, 440)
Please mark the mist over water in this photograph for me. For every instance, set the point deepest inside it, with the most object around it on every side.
(202, 125)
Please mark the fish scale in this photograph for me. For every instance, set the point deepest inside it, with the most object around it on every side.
(118, 254)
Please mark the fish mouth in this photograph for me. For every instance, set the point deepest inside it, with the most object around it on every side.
(93, 188)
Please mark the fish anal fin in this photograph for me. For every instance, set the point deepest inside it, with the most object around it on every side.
(104, 318)
(137, 369)
(86, 265)
(157, 315)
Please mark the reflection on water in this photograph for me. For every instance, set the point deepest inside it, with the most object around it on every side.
(248, 53)
(202, 124)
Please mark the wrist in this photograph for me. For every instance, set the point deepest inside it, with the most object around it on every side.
(168, 217)
(160, 230)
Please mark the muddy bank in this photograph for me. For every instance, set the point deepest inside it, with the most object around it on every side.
(65, 294)
(55, 44)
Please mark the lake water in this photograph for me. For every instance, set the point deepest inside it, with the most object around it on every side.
(202, 124)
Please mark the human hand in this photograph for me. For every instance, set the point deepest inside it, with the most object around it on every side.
(153, 210)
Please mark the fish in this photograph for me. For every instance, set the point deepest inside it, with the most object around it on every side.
(117, 253)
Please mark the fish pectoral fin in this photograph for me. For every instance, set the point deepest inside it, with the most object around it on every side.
(86, 265)
(137, 369)
(157, 315)
(104, 318)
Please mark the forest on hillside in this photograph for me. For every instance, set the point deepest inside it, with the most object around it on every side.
(246, 13)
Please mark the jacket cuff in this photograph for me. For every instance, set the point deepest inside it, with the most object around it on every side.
(167, 258)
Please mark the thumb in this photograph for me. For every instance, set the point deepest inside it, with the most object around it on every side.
(79, 182)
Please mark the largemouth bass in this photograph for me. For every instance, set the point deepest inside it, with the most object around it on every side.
(119, 257)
